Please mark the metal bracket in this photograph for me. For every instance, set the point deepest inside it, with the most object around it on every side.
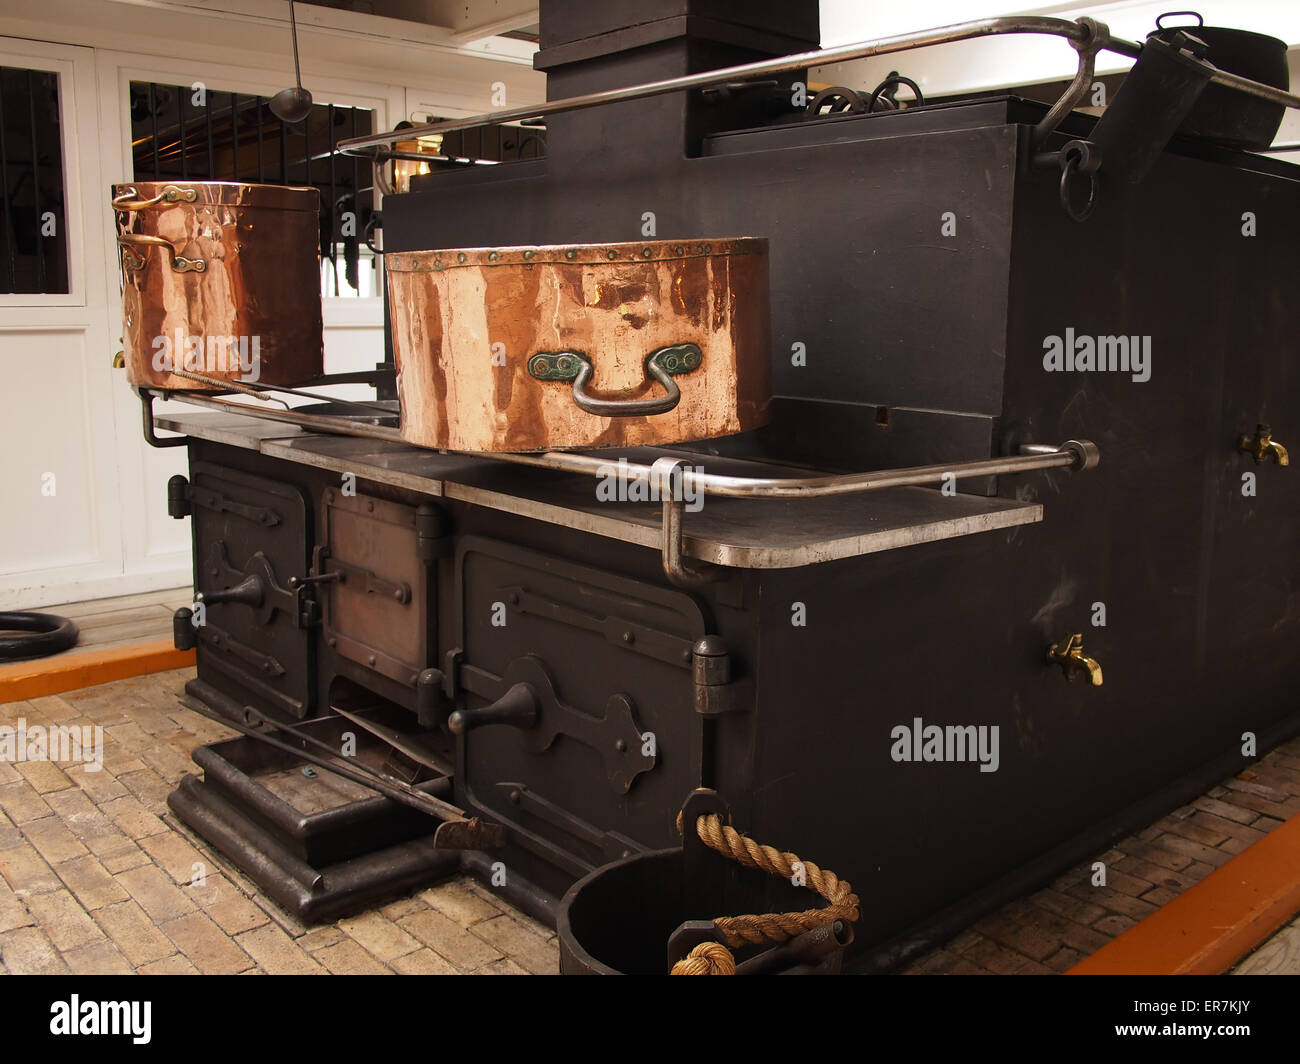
(223, 504)
(1097, 37)
(668, 477)
(628, 635)
(150, 437)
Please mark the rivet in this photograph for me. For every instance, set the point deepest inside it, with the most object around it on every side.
(620, 746)
(628, 637)
(571, 254)
(333, 642)
(371, 660)
(462, 257)
(493, 256)
(514, 797)
(529, 254)
(647, 252)
(611, 255)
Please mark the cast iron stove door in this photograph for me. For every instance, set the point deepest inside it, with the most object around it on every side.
(374, 585)
(250, 538)
(578, 726)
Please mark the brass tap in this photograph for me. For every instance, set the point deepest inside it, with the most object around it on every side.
(1069, 655)
(1262, 446)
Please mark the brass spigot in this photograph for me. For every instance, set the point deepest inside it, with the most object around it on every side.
(1069, 655)
(1262, 446)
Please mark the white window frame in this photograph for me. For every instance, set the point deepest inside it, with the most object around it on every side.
(38, 55)
(382, 100)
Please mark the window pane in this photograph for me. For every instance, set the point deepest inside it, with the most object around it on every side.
(180, 132)
(33, 247)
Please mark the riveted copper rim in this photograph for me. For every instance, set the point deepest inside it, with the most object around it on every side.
(573, 254)
(232, 193)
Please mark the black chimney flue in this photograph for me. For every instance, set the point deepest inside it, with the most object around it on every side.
(588, 47)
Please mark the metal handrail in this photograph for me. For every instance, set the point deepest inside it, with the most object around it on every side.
(1085, 34)
(1073, 454)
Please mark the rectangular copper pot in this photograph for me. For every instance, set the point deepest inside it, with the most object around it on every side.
(597, 345)
(222, 279)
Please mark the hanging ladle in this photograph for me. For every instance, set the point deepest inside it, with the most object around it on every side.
(292, 105)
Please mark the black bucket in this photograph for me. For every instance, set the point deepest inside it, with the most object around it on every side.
(618, 919)
(1223, 115)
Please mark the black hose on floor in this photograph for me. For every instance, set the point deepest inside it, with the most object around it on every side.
(26, 635)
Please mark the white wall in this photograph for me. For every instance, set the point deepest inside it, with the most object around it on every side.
(105, 530)
(972, 66)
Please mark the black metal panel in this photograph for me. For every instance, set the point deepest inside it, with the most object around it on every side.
(1200, 579)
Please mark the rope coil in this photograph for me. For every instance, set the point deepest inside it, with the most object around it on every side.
(713, 958)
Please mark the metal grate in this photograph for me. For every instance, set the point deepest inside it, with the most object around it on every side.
(192, 133)
(33, 247)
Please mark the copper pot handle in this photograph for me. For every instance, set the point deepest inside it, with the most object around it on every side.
(169, 194)
(662, 365)
(135, 260)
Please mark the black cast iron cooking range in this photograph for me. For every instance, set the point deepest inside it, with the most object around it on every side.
(516, 643)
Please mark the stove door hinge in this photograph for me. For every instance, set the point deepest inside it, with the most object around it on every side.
(715, 694)
(452, 661)
(433, 539)
(178, 497)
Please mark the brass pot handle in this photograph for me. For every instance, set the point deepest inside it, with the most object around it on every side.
(169, 194)
(135, 260)
(662, 365)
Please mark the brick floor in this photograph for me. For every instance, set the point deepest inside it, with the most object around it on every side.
(1059, 925)
(97, 875)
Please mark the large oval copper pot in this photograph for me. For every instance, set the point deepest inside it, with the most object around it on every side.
(220, 280)
(597, 345)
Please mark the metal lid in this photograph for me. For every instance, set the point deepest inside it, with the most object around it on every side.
(574, 254)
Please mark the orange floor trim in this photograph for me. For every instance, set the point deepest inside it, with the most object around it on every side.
(68, 672)
(1212, 925)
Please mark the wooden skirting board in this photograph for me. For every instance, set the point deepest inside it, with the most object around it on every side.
(1216, 922)
(52, 676)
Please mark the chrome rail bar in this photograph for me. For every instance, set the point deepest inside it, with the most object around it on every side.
(1078, 33)
(962, 31)
(1073, 454)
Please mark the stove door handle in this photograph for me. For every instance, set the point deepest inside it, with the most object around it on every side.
(248, 592)
(517, 707)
